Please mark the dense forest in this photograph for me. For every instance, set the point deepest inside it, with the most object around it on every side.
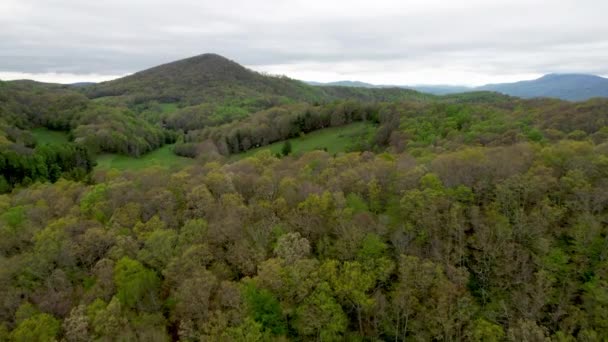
(477, 216)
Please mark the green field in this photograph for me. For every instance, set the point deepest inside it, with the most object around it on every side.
(104, 98)
(46, 136)
(169, 107)
(163, 157)
(334, 139)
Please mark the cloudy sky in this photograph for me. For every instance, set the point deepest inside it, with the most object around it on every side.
(468, 42)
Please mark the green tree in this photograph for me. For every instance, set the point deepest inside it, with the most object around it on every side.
(193, 297)
(108, 320)
(486, 331)
(137, 286)
(248, 331)
(320, 316)
(264, 308)
(352, 283)
(286, 149)
(375, 196)
(40, 327)
(159, 248)
(425, 304)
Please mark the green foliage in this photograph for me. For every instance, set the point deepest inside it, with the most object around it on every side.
(54, 110)
(136, 285)
(158, 248)
(250, 331)
(321, 316)
(265, 309)
(117, 130)
(46, 162)
(535, 135)
(431, 181)
(107, 320)
(4, 332)
(372, 247)
(355, 246)
(14, 217)
(41, 327)
(92, 201)
(286, 149)
(487, 331)
(204, 115)
(356, 203)
(25, 311)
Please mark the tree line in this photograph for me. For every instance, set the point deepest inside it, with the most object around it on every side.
(272, 125)
(44, 163)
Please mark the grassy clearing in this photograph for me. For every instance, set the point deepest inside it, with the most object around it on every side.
(46, 136)
(105, 98)
(163, 157)
(168, 107)
(334, 139)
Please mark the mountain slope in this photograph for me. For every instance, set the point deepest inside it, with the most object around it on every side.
(573, 87)
(210, 78)
(203, 78)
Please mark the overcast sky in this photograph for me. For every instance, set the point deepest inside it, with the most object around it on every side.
(469, 42)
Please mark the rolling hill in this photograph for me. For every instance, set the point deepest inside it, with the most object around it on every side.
(203, 78)
(211, 78)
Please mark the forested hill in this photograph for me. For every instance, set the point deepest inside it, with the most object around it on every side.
(211, 78)
(203, 78)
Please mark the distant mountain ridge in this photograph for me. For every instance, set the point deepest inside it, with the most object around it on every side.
(211, 78)
(355, 84)
(430, 89)
(571, 87)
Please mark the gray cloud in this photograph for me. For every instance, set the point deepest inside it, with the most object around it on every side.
(385, 41)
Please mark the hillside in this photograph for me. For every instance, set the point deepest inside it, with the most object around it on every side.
(203, 78)
(572, 87)
(211, 78)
